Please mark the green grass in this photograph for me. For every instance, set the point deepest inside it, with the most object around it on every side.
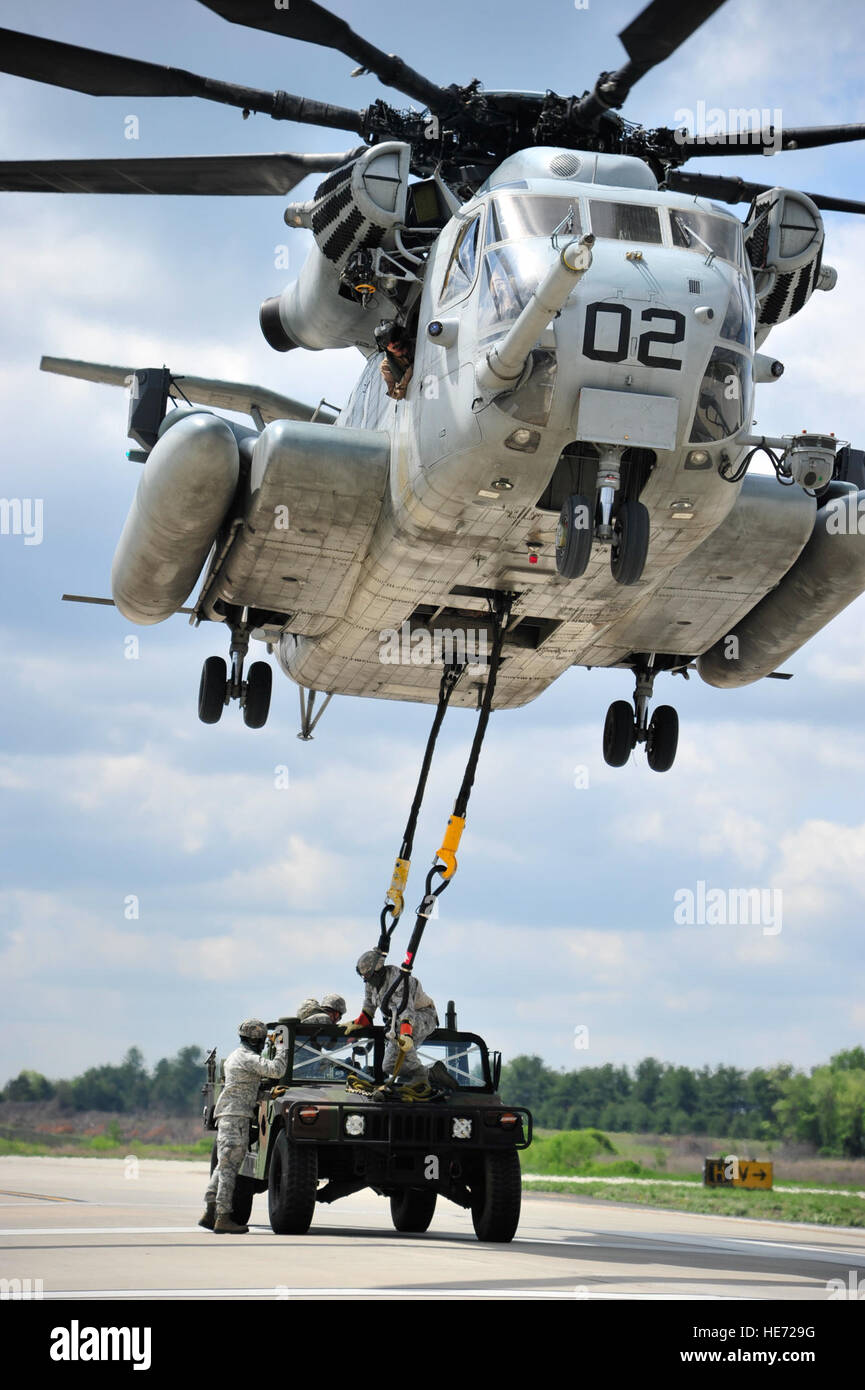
(776, 1205)
(105, 1146)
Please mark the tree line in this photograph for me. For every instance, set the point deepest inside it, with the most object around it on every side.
(825, 1107)
(173, 1087)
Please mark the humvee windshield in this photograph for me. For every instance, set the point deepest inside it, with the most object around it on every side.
(326, 1056)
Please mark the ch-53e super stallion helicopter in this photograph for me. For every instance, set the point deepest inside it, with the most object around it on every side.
(570, 454)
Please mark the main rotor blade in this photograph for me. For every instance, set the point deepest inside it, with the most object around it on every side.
(656, 33)
(303, 19)
(803, 137)
(661, 28)
(235, 175)
(109, 75)
(738, 191)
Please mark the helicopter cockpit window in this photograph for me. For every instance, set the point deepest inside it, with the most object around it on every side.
(463, 262)
(626, 222)
(724, 399)
(512, 217)
(510, 274)
(737, 324)
(703, 232)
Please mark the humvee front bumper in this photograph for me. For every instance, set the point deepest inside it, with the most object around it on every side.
(405, 1125)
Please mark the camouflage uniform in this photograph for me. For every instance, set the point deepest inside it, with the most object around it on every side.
(420, 1012)
(244, 1072)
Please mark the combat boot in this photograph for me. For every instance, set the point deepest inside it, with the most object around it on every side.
(226, 1227)
(208, 1220)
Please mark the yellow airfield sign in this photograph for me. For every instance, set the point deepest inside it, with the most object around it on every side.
(736, 1172)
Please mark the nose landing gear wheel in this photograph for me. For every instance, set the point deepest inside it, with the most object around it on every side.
(256, 705)
(662, 739)
(619, 733)
(211, 691)
(574, 535)
(630, 542)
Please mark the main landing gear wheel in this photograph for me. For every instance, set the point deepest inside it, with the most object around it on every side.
(574, 535)
(256, 702)
(211, 691)
(627, 725)
(662, 739)
(619, 733)
(630, 542)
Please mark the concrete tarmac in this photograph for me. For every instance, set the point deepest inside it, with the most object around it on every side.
(126, 1228)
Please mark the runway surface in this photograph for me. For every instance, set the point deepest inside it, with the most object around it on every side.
(113, 1228)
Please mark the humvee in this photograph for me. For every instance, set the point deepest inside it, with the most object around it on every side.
(320, 1134)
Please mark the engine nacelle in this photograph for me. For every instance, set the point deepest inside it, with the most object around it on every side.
(784, 241)
(333, 302)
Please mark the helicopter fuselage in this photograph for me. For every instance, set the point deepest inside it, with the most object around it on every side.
(651, 357)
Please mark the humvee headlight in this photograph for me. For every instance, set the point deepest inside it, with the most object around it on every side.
(355, 1124)
(461, 1128)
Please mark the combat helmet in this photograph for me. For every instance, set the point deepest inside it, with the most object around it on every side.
(370, 962)
(254, 1029)
(335, 1002)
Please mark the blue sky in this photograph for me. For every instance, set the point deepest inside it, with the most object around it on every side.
(251, 897)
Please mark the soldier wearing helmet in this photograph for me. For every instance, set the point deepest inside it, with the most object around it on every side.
(413, 1018)
(330, 1010)
(244, 1071)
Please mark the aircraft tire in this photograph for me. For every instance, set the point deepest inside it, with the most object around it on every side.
(211, 691)
(663, 738)
(619, 733)
(630, 542)
(574, 542)
(258, 687)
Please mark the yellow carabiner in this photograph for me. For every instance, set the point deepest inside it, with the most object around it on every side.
(397, 888)
(450, 844)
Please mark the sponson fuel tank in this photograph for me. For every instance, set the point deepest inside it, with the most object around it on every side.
(185, 489)
(828, 575)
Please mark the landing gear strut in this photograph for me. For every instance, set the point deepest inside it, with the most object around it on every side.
(218, 688)
(622, 525)
(626, 726)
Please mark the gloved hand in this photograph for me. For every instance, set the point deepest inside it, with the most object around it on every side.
(404, 1043)
(353, 1026)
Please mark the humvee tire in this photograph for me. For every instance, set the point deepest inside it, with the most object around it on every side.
(291, 1186)
(241, 1203)
(497, 1196)
(412, 1210)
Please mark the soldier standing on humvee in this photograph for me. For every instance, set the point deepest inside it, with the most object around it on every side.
(412, 1023)
(245, 1069)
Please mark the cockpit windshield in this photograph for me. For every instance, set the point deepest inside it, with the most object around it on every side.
(513, 216)
(703, 232)
(510, 275)
(625, 221)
